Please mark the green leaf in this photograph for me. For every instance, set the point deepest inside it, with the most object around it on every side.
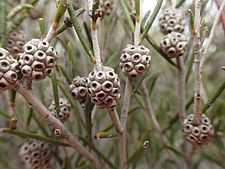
(19, 9)
(42, 27)
(55, 90)
(151, 20)
(214, 97)
(34, 136)
(78, 30)
(3, 22)
(87, 110)
(127, 14)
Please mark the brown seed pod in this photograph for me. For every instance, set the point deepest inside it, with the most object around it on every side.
(134, 61)
(104, 87)
(199, 134)
(8, 70)
(37, 60)
(78, 88)
(35, 154)
(106, 7)
(15, 43)
(174, 44)
(64, 109)
(171, 21)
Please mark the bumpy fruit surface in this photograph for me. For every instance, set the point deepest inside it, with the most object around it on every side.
(199, 134)
(174, 44)
(78, 88)
(16, 41)
(106, 6)
(134, 61)
(35, 154)
(8, 70)
(171, 21)
(37, 60)
(64, 109)
(104, 87)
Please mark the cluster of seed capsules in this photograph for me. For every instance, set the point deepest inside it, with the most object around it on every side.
(103, 87)
(36, 61)
(8, 70)
(198, 134)
(174, 43)
(78, 88)
(135, 60)
(15, 43)
(63, 113)
(36, 154)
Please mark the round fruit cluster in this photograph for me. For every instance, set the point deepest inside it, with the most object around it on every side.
(37, 60)
(104, 87)
(8, 70)
(199, 134)
(134, 61)
(35, 154)
(64, 109)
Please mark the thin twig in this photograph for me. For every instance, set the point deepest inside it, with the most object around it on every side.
(222, 16)
(151, 114)
(46, 116)
(115, 120)
(198, 56)
(190, 156)
(211, 36)
(181, 89)
(149, 108)
(94, 35)
(95, 43)
(123, 119)
(60, 12)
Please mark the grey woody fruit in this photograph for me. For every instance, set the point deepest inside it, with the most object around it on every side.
(35, 154)
(171, 21)
(8, 70)
(15, 43)
(174, 44)
(198, 134)
(134, 61)
(37, 60)
(64, 109)
(104, 87)
(106, 6)
(78, 88)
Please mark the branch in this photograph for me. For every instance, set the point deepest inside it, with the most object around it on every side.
(115, 120)
(46, 116)
(198, 56)
(94, 34)
(60, 12)
(152, 117)
(123, 119)
(222, 17)
(212, 33)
